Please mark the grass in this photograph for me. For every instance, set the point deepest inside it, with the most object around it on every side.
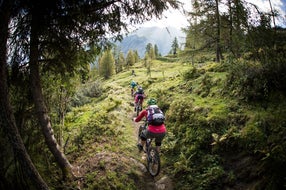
(105, 125)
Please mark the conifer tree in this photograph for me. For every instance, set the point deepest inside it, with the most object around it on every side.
(136, 56)
(156, 50)
(121, 62)
(175, 46)
(106, 65)
(130, 59)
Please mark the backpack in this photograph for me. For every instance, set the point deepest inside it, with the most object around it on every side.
(140, 97)
(155, 116)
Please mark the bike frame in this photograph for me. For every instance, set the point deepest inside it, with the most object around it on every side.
(153, 157)
(138, 106)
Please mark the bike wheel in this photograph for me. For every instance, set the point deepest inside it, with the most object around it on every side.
(140, 131)
(137, 110)
(153, 161)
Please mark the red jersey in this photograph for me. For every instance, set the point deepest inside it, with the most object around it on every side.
(151, 128)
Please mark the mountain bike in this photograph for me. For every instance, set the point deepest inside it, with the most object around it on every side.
(138, 107)
(153, 157)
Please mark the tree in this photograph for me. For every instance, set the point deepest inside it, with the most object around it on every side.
(121, 61)
(150, 51)
(209, 26)
(106, 65)
(148, 48)
(156, 50)
(147, 64)
(7, 119)
(175, 46)
(217, 21)
(136, 56)
(130, 59)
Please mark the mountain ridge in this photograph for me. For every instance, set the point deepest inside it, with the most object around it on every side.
(162, 37)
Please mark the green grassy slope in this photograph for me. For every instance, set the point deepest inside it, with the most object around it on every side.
(214, 141)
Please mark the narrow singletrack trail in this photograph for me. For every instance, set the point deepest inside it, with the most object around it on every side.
(160, 182)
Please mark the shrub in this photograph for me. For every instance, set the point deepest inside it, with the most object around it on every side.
(193, 73)
(87, 91)
(93, 89)
(247, 81)
(196, 166)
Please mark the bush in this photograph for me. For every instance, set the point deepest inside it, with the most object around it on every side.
(193, 73)
(196, 166)
(93, 89)
(247, 81)
(87, 91)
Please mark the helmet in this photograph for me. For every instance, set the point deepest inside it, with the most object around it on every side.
(152, 101)
(140, 89)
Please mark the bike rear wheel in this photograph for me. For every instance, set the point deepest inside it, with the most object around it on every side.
(153, 161)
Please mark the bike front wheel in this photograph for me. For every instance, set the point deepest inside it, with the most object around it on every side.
(153, 161)
(137, 110)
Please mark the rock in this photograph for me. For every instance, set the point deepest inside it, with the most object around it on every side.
(165, 183)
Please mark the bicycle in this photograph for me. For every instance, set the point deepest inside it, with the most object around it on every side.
(153, 156)
(138, 107)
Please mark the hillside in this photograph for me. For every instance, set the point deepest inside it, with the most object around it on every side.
(162, 37)
(214, 141)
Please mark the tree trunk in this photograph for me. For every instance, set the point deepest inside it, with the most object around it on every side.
(230, 27)
(218, 50)
(274, 24)
(41, 109)
(7, 119)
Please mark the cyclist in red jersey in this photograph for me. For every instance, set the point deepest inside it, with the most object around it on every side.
(152, 131)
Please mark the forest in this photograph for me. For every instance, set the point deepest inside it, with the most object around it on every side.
(66, 110)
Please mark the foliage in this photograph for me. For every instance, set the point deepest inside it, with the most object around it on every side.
(263, 135)
(92, 89)
(150, 51)
(192, 133)
(130, 59)
(214, 141)
(237, 28)
(106, 65)
(119, 59)
(246, 80)
(192, 74)
(175, 46)
(253, 81)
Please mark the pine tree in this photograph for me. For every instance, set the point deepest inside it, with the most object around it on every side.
(130, 59)
(175, 46)
(136, 56)
(156, 50)
(121, 62)
(106, 65)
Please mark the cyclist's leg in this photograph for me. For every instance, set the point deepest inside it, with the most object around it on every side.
(158, 140)
(143, 137)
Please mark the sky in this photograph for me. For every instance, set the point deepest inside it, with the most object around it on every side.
(176, 18)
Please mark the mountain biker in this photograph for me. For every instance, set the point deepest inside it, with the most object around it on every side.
(133, 84)
(152, 131)
(139, 95)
